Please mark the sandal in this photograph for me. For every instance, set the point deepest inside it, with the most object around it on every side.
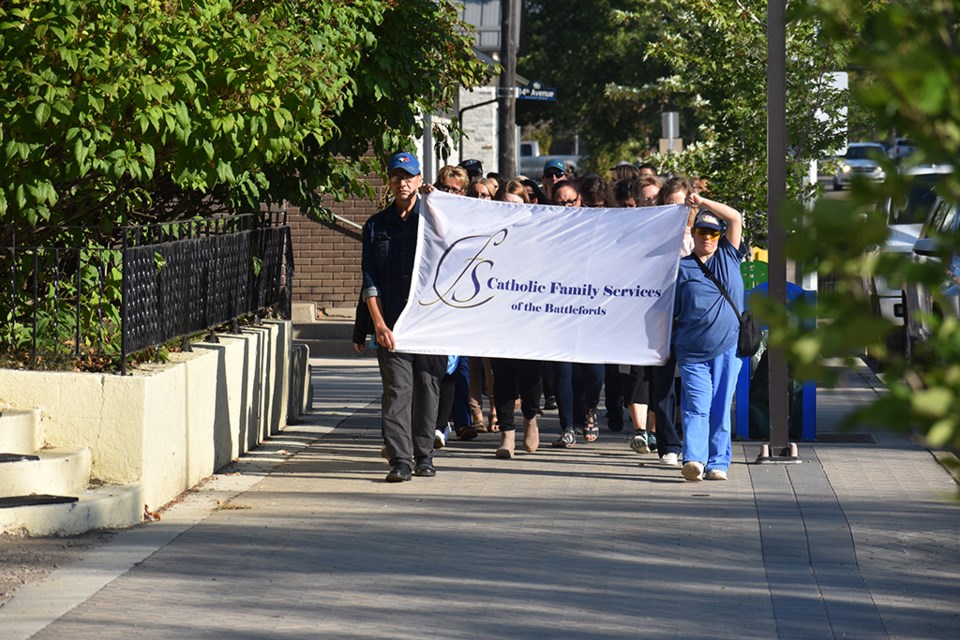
(566, 440)
(466, 433)
(590, 430)
(480, 427)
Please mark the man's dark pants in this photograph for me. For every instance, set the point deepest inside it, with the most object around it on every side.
(411, 395)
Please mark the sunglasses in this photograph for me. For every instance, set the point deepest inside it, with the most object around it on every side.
(449, 189)
(708, 233)
(567, 203)
(553, 174)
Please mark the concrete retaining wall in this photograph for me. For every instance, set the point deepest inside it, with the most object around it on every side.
(168, 426)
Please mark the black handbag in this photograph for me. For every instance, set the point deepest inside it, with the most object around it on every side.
(750, 338)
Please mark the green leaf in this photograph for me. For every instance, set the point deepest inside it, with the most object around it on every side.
(932, 402)
(148, 154)
(80, 151)
(224, 171)
(42, 113)
(96, 102)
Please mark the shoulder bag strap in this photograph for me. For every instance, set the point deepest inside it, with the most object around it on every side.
(713, 279)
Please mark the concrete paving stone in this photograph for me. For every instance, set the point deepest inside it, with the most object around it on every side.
(798, 604)
(591, 542)
(850, 607)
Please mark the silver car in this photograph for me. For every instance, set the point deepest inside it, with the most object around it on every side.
(920, 303)
(861, 159)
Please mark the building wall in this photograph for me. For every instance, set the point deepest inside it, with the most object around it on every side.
(480, 124)
(326, 255)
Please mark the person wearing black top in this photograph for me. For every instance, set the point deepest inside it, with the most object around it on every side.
(411, 382)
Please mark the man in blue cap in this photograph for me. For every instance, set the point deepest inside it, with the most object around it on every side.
(553, 172)
(411, 382)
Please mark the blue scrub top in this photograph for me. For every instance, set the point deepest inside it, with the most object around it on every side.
(705, 324)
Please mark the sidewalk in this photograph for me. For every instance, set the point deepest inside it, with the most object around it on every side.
(309, 542)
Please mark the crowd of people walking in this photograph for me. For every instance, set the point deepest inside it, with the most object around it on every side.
(428, 400)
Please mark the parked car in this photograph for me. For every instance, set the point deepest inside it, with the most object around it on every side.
(531, 161)
(920, 304)
(905, 221)
(901, 148)
(861, 159)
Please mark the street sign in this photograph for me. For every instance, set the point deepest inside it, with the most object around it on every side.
(536, 91)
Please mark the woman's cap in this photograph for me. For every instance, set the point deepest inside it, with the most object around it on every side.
(706, 220)
(473, 167)
(556, 165)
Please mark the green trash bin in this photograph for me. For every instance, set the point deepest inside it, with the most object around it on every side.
(754, 273)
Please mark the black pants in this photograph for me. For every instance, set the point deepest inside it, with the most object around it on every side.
(663, 401)
(509, 378)
(614, 393)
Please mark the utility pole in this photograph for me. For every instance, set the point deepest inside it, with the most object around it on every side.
(779, 449)
(507, 92)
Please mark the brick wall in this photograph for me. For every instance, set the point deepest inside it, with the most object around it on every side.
(326, 256)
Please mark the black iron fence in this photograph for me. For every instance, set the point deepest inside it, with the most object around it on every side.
(145, 286)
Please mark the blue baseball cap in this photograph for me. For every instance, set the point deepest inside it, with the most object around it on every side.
(473, 167)
(555, 164)
(706, 220)
(406, 161)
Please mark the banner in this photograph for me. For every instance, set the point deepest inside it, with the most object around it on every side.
(543, 282)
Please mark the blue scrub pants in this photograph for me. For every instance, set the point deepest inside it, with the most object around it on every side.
(705, 403)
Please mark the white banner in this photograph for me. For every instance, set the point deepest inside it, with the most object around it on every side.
(543, 282)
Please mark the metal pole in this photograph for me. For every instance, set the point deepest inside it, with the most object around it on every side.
(125, 293)
(779, 447)
(507, 118)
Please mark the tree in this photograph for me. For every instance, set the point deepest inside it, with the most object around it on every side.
(619, 64)
(114, 111)
(716, 52)
(593, 57)
(911, 50)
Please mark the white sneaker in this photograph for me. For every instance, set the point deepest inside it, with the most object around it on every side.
(693, 471)
(670, 460)
(715, 474)
(440, 438)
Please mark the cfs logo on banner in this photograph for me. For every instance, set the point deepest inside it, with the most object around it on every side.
(457, 284)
